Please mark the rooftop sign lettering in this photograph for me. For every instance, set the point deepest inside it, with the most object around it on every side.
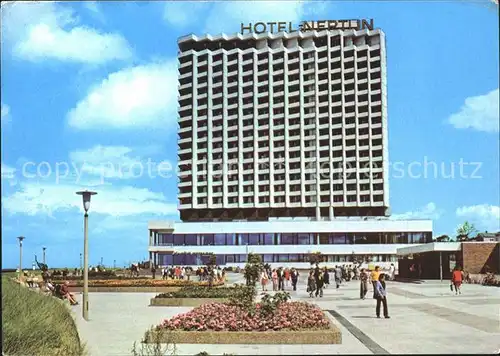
(304, 26)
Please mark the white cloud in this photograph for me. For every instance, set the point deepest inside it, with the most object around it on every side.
(479, 113)
(5, 113)
(429, 211)
(47, 30)
(106, 161)
(95, 10)
(120, 162)
(144, 95)
(226, 16)
(47, 199)
(483, 216)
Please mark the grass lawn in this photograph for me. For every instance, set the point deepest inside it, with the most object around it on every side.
(34, 324)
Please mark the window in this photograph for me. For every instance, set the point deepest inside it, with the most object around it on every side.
(243, 239)
(324, 239)
(207, 240)
(288, 239)
(179, 240)
(304, 239)
(337, 239)
(230, 239)
(267, 239)
(191, 240)
(282, 258)
(220, 239)
(268, 258)
(253, 239)
(165, 239)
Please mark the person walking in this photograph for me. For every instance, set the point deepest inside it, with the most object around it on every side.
(294, 275)
(153, 271)
(311, 284)
(355, 272)
(287, 277)
(456, 280)
(338, 276)
(320, 283)
(392, 272)
(263, 280)
(326, 277)
(374, 276)
(381, 296)
(363, 283)
(274, 277)
(281, 279)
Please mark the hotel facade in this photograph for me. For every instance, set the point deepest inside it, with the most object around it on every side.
(283, 151)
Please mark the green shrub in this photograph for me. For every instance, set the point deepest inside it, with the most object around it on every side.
(245, 299)
(204, 292)
(253, 269)
(35, 324)
(269, 304)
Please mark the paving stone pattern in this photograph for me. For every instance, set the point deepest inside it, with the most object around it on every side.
(425, 318)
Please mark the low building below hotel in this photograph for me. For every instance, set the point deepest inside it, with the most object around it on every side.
(438, 259)
(285, 243)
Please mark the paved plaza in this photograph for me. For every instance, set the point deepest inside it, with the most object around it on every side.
(425, 318)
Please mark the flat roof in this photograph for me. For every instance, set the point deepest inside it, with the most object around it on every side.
(333, 226)
(430, 247)
(269, 35)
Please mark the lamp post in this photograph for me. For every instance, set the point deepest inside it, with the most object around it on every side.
(43, 249)
(81, 262)
(20, 238)
(86, 205)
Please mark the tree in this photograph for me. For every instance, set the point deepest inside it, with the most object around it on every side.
(442, 238)
(315, 258)
(253, 269)
(212, 260)
(465, 231)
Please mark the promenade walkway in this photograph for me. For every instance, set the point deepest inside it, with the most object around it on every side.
(425, 318)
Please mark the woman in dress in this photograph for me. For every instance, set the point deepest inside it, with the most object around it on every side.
(263, 280)
(311, 284)
(275, 280)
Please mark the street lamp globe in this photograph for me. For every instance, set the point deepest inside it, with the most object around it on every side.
(21, 238)
(86, 198)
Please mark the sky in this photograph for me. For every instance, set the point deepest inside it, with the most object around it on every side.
(89, 100)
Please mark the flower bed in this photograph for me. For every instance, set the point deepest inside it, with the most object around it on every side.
(202, 292)
(222, 323)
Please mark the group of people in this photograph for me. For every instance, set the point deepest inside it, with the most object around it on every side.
(280, 278)
(317, 280)
(207, 273)
(59, 291)
(177, 272)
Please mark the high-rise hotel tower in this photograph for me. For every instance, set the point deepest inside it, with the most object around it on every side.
(283, 151)
(283, 125)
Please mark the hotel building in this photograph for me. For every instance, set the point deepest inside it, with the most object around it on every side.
(283, 151)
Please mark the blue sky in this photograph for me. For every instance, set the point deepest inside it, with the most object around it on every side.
(89, 97)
